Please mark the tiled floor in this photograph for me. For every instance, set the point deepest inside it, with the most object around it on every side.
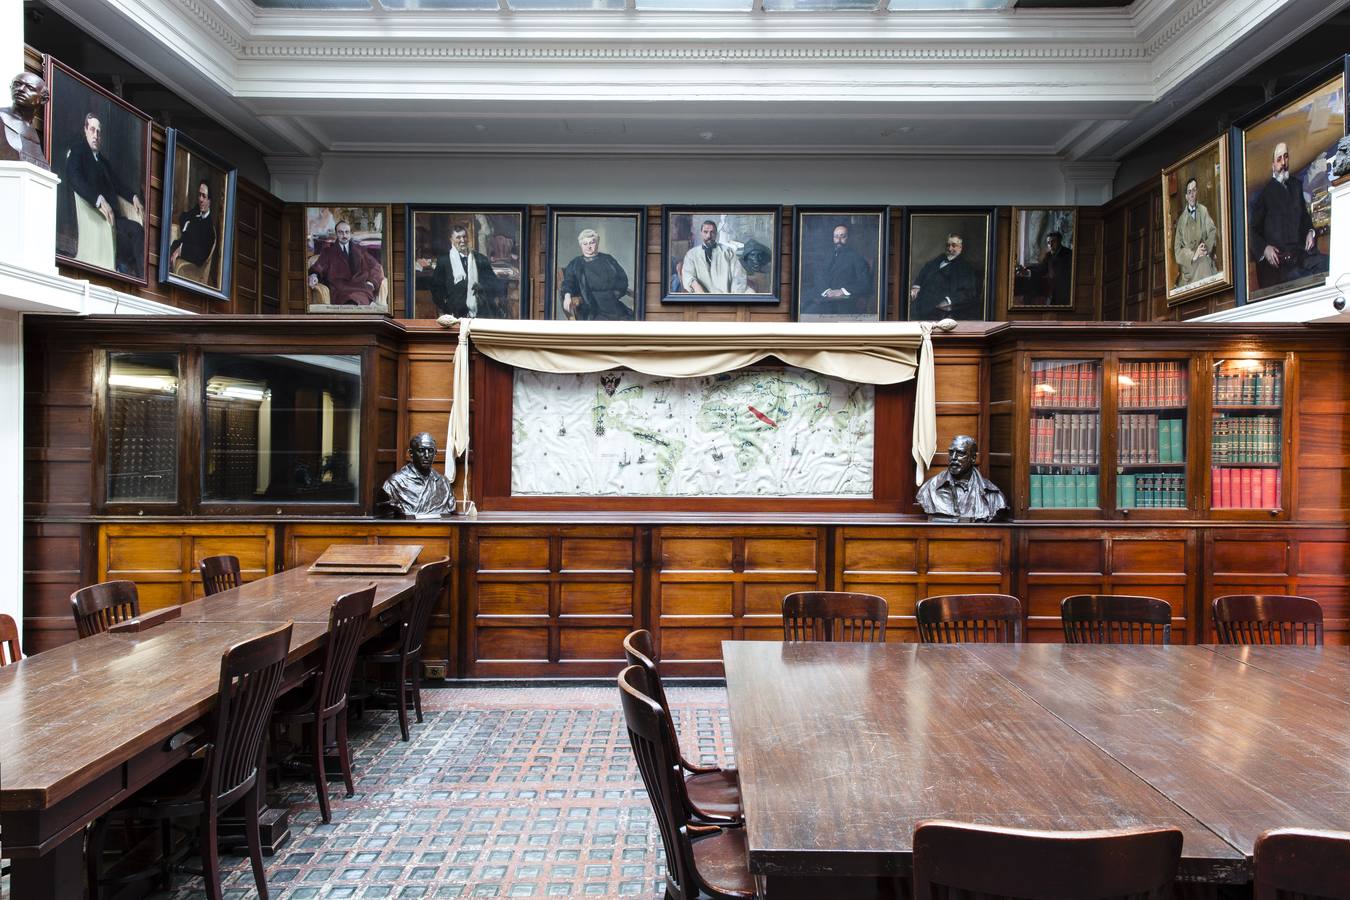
(502, 792)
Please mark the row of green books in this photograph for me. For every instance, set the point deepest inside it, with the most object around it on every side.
(1064, 491)
(1151, 490)
(1246, 439)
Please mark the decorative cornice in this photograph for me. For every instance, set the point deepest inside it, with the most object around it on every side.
(748, 53)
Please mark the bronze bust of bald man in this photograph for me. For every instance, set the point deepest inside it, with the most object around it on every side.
(22, 143)
(961, 494)
(418, 491)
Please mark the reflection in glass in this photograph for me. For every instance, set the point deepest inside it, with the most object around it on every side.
(1152, 397)
(142, 415)
(281, 428)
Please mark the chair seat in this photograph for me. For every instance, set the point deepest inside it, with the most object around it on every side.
(723, 863)
(716, 793)
(175, 794)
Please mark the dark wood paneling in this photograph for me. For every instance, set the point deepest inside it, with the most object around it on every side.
(164, 561)
(53, 568)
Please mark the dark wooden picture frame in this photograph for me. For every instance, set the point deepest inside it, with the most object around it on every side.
(926, 231)
(1292, 119)
(1035, 279)
(119, 248)
(370, 222)
(835, 282)
(500, 234)
(751, 233)
(187, 167)
(621, 238)
(1207, 166)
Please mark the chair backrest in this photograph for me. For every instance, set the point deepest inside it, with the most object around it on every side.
(659, 763)
(346, 629)
(969, 618)
(1115, 619)
(220, 573)
(640, 650)
(1299, 864)
(952, 859)
(9, 641)
(250, 675)
(417, 614)
(100, 606)
(1268, 619)
(834, 616)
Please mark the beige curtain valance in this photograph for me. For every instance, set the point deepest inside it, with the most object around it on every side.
(866, 352)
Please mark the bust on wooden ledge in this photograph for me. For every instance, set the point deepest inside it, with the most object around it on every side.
(418, 491)
(961, 494)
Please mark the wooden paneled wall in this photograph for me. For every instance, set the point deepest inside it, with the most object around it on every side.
(165, 560)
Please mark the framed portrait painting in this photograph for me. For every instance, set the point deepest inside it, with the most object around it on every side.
(346, 256)
(723, 254)
(948, 264)
(595, 263)
(839, 264)
(1195, 219)
(468, 261)
(1282, 187)
(196, 237)
(1042, 264)
(99, 145)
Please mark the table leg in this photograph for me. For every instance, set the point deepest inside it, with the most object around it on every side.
(57, 874)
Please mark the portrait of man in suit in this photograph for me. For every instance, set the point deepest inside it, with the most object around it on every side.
(468, 262)
(464, 283)
(351, 274)
(839, 262)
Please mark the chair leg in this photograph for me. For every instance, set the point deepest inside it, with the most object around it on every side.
(166, 853)
(416, 682)
(344, 753)
(93, 855)
(320, 775)
(210, 853)
(403, 696)
(254, 841)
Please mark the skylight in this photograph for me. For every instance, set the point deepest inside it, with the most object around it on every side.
(767, 6)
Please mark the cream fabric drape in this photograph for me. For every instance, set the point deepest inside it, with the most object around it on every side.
(866, 352)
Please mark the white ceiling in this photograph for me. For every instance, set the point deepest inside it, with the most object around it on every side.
(1068, 85)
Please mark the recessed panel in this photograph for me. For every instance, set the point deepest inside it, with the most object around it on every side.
(780, 554)
(1065, 556)
(964, 556)
(605, 644)
(144, 554)
(1249, 558)
(1148, 556)
(767, 599)
(1324, 558)
(524, 644)
(505, 553)
(694, 643)
(512, 599)
(431, 379)
(605, 599)
(608, 554)
(696, 553)
(881, 555)
(695, 600)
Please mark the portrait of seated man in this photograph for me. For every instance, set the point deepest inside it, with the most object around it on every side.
(1049, 280)
(947, 286)
(711, 267)
(464, 284)
(350, 274)
(109, 212)
(196, 240)
(839, 282)
(1280, 234)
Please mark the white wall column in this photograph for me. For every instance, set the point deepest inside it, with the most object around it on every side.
(11, 474)
(1088, 183)
(295, 179)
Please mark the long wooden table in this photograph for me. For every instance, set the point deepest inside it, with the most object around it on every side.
(844, 748)
(84, 725)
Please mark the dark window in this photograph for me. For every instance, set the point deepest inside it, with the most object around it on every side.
(142, 415)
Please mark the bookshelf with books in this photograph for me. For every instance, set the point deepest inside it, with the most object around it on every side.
(1247, 436)
(1152, 400)
(1065, 435)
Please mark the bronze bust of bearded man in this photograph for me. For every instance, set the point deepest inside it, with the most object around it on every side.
(961, 494)
(417, 491)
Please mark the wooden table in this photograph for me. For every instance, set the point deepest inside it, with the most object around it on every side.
(86, 724)
(843, 748)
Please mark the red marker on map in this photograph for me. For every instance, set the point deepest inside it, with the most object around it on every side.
(763, 418)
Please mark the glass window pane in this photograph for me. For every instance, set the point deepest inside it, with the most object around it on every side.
(1065, 433)
(281, 428)
(818, 5)
(696, 5)
(579, 5)
(1247, 441)
(312, 4)
(440, 4)
(1151, 434)
(142, 464)
(915, 5)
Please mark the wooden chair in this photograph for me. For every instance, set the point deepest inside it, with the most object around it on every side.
(1299, 864)
(220, 573)
(1268, 619)
(834, 616)
(224, 771)
(404, 649)
(1115, 619)
(9, 641)
(717, 863)
(714, 793)
(100, 606)
(952, 859)
(325, 701)
(969, 618)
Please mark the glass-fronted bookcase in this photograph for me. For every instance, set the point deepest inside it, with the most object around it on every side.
(1165, 435)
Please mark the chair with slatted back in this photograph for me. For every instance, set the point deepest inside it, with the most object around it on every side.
(714, 793)
(952, 859)
(834, 616)
(402, 649)
(701, 860)
(220, 573)
(1302, 864)
(969, 618)
(324, 701)
(9, 641)
(223, 772)
(1115, 619)
(1268, 619)
(100, 606)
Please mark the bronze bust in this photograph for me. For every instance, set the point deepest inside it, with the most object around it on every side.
(961, 494)
(417, 491)
(22, 142)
